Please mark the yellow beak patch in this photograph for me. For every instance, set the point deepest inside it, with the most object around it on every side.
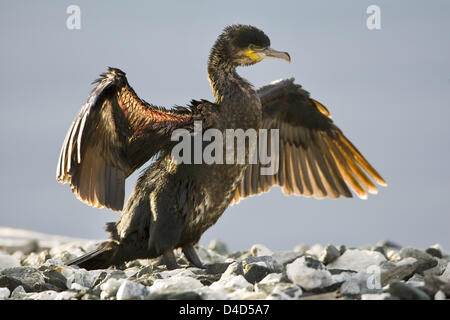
(253, 55)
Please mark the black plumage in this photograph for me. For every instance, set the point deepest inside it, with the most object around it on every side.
(173, 204)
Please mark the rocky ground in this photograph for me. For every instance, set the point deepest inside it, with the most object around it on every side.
(32, 267)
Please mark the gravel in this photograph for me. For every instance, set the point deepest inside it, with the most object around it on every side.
(33, 268)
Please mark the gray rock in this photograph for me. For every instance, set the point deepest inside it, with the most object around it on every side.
(55, 278)
(10, 283)
(308, 273)
(18, 293)
(433, 284)
(285, 257)
(233, 269)
(416, 280)
(174, 295)
(360, 283)
(405, 291)
(218, 246)
(329, 254)
(215, 268)
(389, 244)
(397, 271)
(285, 291)
(437, 270)
(434, 252)
(424, 260)
(257, 268)
(28, 276)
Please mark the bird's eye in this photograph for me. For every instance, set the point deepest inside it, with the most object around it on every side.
(251, 46)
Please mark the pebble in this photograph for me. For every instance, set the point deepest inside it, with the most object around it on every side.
(260, 250)
(329, 254)
(385, 271)
(405, 291)
(218, 246)
(424, 260)
(8, 261)
(130, 290)
(4, 293)
(357, 260)
(308, 274)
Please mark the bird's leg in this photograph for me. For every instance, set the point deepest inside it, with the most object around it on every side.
(169, 260)
(192, 256)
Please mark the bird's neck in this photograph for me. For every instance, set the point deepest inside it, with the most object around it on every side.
(225, 81)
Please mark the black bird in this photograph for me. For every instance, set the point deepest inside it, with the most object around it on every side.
(173, 203)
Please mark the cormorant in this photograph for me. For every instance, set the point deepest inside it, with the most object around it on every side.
(173, 204)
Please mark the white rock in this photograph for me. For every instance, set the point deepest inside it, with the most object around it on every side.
(350, 287)
(232, 283)
(130, 272)
(376, 296)
(44, 295)
(358, 260)
(206, 293)
(260, 250)
(129, 290)
(301, 248)
(77, 287)
(79, 276)
(65, 295)
(7, 261)
(54, 262)
(18, 292)
(446, 275)
(244, 294)
(4, 293)
(440, 295)
(306, 277)
(176, 272)
(209, 256)
(393, 255)
(315, 250)
(285, 291)
(176, 283)
(109, 288)
(271, 278)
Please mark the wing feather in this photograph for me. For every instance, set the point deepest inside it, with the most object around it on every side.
(315, 158)
(114, 134)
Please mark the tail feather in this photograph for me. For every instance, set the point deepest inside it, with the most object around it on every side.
(100, 258)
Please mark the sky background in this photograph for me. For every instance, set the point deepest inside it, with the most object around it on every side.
(388, 90)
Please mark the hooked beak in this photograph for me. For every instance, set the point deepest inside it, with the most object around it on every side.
(272, 53)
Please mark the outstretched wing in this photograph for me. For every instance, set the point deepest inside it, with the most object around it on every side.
(315, 158)
(114, 134)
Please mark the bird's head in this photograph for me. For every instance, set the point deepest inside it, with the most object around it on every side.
(243, 45)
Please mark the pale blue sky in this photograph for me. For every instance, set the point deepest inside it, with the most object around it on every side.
(388, 90)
